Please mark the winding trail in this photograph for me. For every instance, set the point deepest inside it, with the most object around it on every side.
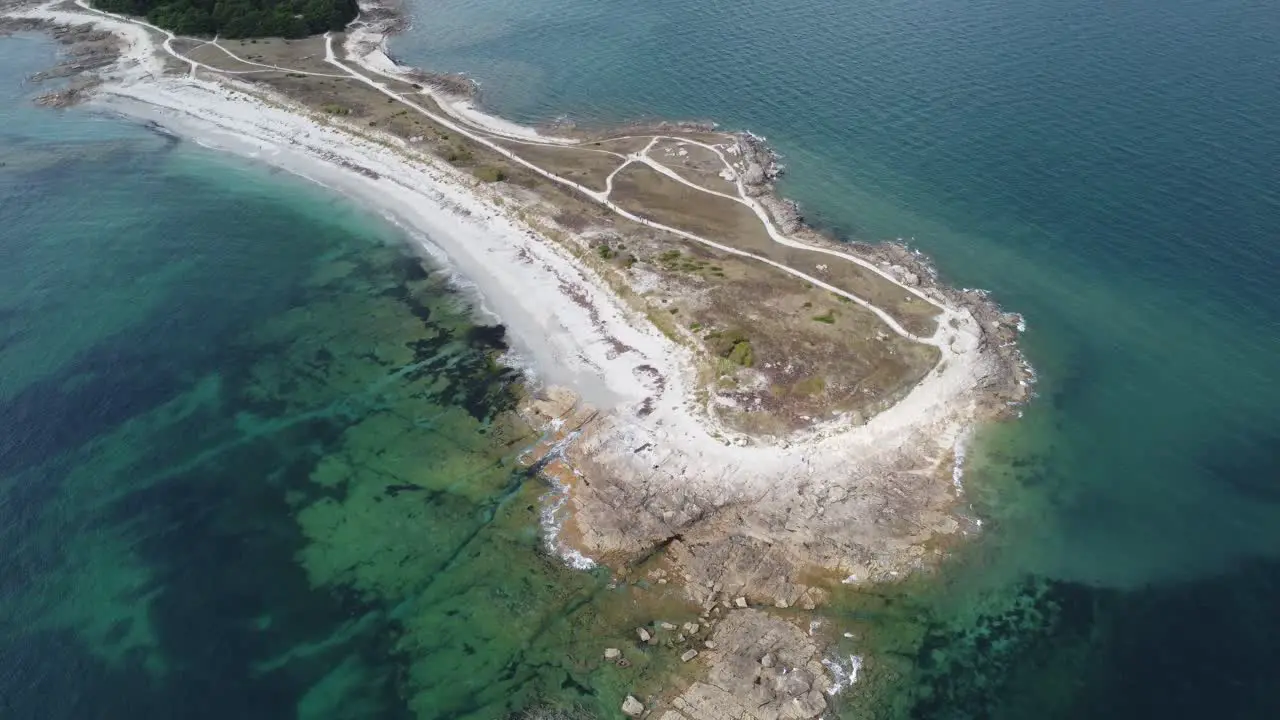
(269, 68)
(941, 338)
(643, 157)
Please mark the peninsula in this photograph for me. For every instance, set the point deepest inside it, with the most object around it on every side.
(734, 402)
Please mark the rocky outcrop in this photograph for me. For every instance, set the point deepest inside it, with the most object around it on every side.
(785, 213)
(760, 163)
(453, 85)
(66, 97)
(383, 16)
(726, 533)
(763, 668)
(632, 707)
(10, 25)
(87, 51)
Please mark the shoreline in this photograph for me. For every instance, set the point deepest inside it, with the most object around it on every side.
(741, 521)
(369, 34)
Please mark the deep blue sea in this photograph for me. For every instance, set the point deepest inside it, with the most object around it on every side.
(1106, 168)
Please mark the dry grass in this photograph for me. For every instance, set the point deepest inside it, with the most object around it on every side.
(694, 163)
(649, 194)
(184, 45)
(708, 138)
(306, 54)
(623, 145)
(583, 166)
(916, 315)
(213, 57)
(335, 96)
(802, 371)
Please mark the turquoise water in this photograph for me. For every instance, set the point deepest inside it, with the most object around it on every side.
(256, 457)
(1106, 168)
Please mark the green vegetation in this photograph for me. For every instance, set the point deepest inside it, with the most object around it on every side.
(670, 258)
(458, 155)
(617, 255)
(809, 387)
(335, 109)
(720, 342)
(240, 18)
(490, 174)
(673, 260)
(663, 323)
(732, 345)
(829, 317)
(741, 354)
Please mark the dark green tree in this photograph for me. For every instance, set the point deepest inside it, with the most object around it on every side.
(240, 18)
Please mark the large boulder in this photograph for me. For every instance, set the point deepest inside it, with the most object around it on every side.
(632, 707)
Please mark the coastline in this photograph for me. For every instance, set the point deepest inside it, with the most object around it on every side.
(367, 40)
(668, 478)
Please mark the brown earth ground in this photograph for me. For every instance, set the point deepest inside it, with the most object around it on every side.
(647, 193)
(622, 145)
(695, 164)
(586, 166)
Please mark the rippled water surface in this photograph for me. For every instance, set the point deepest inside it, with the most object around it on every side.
(1106, 168)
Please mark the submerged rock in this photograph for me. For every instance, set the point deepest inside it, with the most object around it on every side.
(632, 707)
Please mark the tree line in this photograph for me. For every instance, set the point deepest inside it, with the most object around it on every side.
(240, 18)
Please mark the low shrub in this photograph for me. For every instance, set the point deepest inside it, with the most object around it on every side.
(489, 174)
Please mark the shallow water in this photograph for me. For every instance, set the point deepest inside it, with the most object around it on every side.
(1104, 168)
(256, 459)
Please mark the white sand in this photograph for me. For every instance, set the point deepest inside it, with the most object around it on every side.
(368, 49)
(533, 286)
